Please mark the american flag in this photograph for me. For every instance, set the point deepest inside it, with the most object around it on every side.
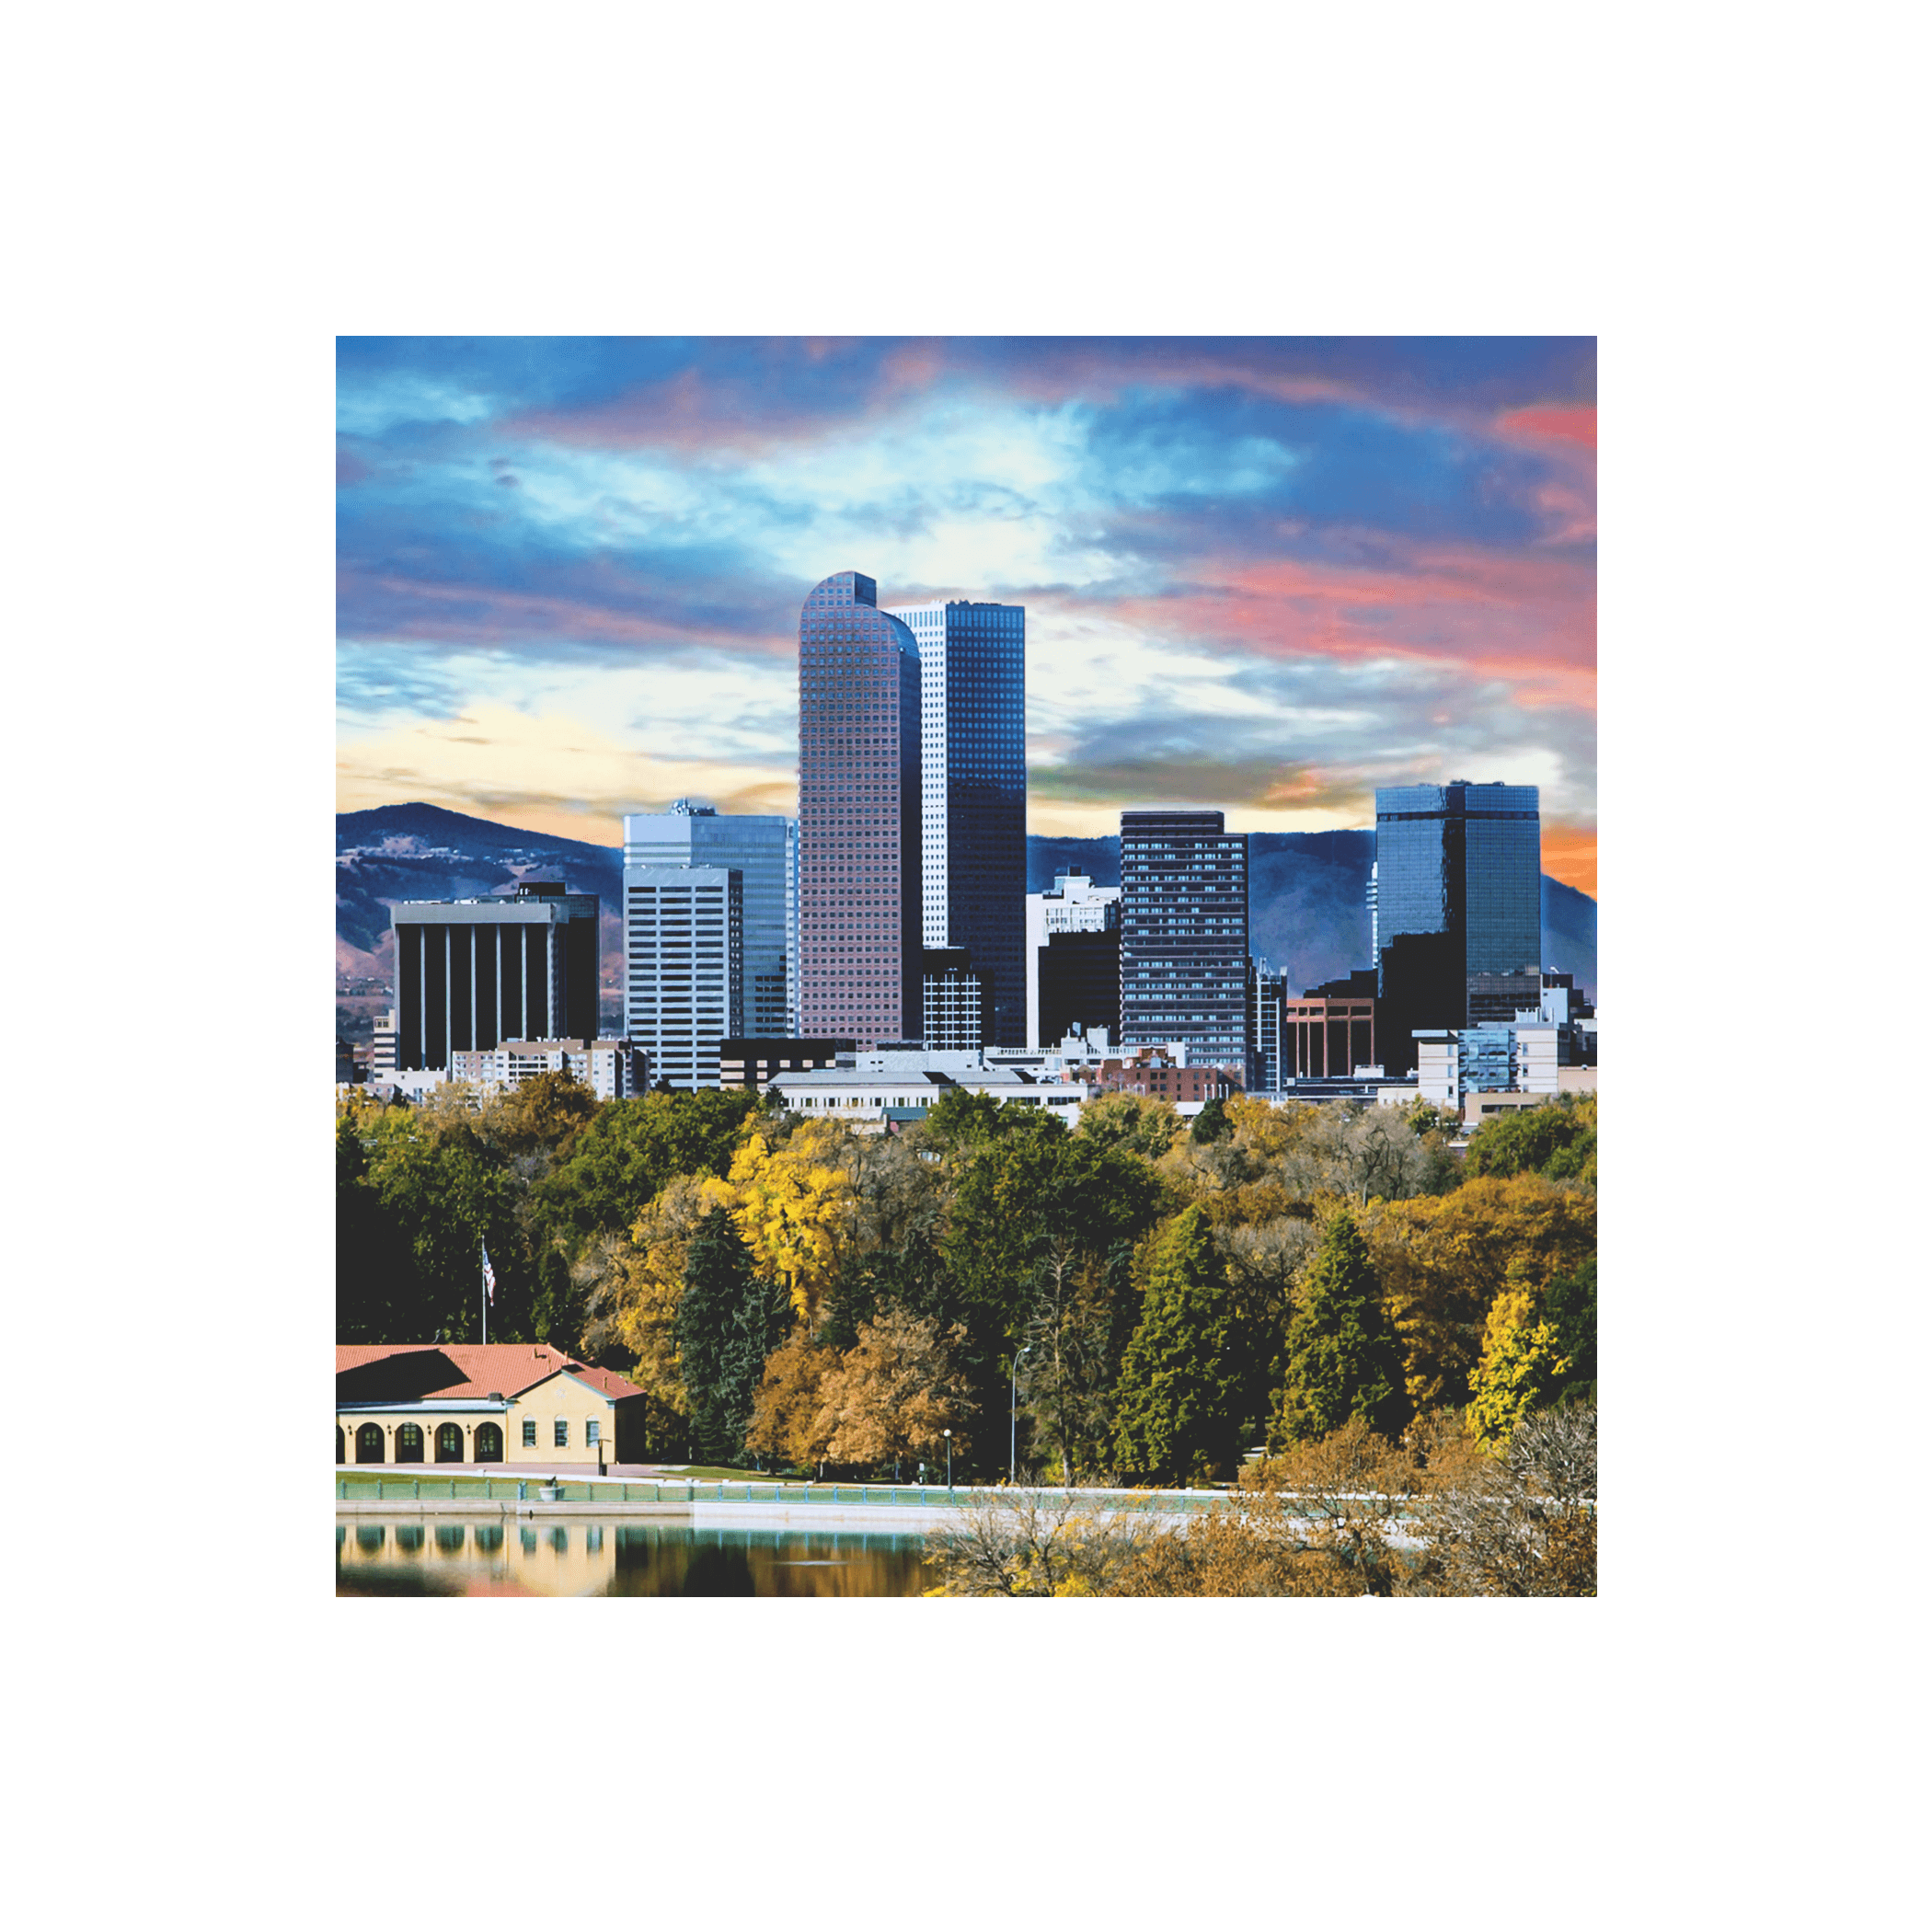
(490, 1276)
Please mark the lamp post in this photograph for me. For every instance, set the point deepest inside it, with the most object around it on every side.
(948, 1434)
(1013, 1419)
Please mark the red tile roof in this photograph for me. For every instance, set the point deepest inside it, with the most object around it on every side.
(505, 1368)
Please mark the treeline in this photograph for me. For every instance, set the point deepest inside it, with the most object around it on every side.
(1164, 1296)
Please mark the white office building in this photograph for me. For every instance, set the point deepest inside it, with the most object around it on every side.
(683, 947)
(1452, 1063)
(612, 1069)
(763, 848)
(885, 1089)
(1074, 904)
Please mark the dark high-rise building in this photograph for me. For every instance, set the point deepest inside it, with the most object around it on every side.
(1184, 934)
(1458, 904)
(860, 928)
(473, 972)
(1080, 984)
(972, 665)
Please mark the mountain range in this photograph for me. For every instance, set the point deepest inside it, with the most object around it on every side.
(1308, 892)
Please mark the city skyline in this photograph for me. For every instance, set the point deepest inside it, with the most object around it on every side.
(1267, 576)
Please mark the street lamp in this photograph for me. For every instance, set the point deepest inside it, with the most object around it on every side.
(948, 1434)
(1013, 1419)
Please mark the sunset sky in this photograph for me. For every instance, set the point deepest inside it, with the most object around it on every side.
(1268, 575)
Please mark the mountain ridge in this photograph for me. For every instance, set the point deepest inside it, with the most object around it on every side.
(1308, 904)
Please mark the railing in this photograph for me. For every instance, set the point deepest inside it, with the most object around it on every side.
(389, 1486)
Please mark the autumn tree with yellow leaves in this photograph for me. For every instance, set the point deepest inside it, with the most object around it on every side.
(793, 1206)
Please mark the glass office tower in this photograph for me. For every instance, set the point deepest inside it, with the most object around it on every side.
(683, 939)
(973, 662)
(765, 850)
(860, 924)
(1458, 897)
(1184, 936)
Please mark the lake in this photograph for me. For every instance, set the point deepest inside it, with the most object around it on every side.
(493, 1554)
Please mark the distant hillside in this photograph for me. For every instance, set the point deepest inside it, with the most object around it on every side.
(1307, 905)
(398, 852)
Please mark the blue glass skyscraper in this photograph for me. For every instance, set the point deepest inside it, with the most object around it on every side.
(973, 661)
(1459, 898)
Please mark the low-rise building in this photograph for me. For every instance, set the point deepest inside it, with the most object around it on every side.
(756, 1062)
(612, 1069)
(1162, 1075)
(1453, 1063)
(506, 1402)
(881, 1091)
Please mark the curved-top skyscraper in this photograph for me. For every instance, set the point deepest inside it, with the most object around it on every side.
(859, 860)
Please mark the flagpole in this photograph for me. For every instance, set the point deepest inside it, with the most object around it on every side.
(483, 1288)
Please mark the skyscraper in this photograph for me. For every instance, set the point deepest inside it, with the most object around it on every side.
(683, 955)
(1184, 934)
(1072, 904)
(972, 663)
(860, 924)
(1458, 912)
(764, 849)
(470, 973)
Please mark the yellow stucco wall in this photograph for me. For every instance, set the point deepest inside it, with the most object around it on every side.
(562, 1396)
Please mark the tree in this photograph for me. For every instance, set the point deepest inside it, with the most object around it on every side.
(793, 1206)
(1021, 1191)
(726, 1323)
(557, 1312)
(628, 1152)
(1027, 1543)
(786, 1408)
(1174, 1406)
(1212, 1122)
(1444, 1259)
(1521, 1524)
(1136, 1124)
(1520, 1367)
(1066, 1369)
(1569, 1303)
(1342, 1357)
(1316, 1522)
(1556, 1140)
(890, 1398)
(650, 1283)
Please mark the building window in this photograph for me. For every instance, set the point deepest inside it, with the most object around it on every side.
(562, 1435)
(590, 1435)
(530, 1431)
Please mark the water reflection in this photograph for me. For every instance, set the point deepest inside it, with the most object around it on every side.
(475, 1558)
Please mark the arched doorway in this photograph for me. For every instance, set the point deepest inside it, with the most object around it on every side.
(489, 1442)
(342, 1448)
(449, 1443)
(409, 1442)
(369, 1443)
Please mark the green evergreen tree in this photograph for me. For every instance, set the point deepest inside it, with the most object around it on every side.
(1569, 1302)
(1212, 1122)
(1175, 1401)
(726, 1323)
(556, 1310)
(1344, 1359)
